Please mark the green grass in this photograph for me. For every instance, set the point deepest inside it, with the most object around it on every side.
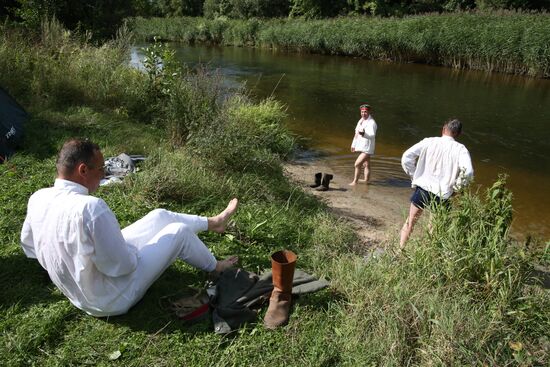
(510, 42)
(460, 295)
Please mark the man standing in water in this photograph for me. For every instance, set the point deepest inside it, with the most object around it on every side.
(100, 268)
(363, 142)
(438, 166)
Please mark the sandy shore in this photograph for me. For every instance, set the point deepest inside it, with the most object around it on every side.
(374, 210)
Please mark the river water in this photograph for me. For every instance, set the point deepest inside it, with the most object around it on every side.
(506, 118)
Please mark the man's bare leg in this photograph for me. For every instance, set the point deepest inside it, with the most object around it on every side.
(366, 166)
(414, 214)
(358, 163)
(219, 222)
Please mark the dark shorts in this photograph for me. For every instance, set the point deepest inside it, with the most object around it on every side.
(422, 199)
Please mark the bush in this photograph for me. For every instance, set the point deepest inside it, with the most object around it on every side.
(244, 137)
(245, 9)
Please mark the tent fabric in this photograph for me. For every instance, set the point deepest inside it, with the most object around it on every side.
(12, 119)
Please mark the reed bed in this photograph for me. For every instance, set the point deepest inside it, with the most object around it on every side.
(509, 42)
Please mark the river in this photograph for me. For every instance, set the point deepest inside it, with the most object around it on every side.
(506, 118)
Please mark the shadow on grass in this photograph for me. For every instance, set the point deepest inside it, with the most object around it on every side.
(45, 132)
(24, 282)
(150, 314)
(43, 135)
(540, 275)
(31, 285)
(320, 300)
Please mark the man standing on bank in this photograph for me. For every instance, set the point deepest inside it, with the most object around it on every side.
(363, 142)
(100, 268)
(438, 167)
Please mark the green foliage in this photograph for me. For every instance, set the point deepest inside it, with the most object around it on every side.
(317, 8)
(102, 17)
(171, 8)
(245, 9)
(161, 67)
(471, 245)
(460, 295)
(507, 42)
(244, 137)
(513, 4)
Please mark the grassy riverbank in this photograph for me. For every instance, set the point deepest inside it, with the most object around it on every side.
(516, 43)
(461, 296)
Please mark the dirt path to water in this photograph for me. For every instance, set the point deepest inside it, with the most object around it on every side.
(376, 212)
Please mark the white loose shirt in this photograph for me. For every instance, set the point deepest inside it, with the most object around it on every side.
(101, 269)
(365, 143)
(439, 165)
(77, 239)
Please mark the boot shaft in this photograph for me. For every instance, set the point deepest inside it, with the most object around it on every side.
(283, 264)
(317, 183)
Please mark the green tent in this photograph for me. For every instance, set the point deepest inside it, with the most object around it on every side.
(12, 119)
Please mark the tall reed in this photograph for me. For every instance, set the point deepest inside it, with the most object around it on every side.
(510, 42)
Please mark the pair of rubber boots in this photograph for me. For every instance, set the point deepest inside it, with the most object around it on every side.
(283, 264)
(322, 181)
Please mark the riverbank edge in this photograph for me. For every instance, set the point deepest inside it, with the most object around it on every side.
(373, 213)
(507, 42)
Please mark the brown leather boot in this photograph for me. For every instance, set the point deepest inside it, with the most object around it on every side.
(283, 264)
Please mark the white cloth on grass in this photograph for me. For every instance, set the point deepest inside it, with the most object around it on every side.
(439, 165)
(101, 269)
(365, 142)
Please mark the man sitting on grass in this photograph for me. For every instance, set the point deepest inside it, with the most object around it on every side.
(100, 268)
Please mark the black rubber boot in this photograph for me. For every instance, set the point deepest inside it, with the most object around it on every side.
(325, 182)
(317, 180)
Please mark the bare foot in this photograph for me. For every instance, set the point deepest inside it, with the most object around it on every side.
(362, 180)
(226, 264)
(353, 183)
(219, 222)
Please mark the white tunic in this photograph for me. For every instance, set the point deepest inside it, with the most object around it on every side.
(99, 268)
(439, 165)
(365, 143)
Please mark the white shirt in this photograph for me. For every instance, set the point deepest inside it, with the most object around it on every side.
(439, 165)
(365, 143)
(77, 239)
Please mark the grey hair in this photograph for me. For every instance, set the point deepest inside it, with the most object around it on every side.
(454, 126)
(73, 152)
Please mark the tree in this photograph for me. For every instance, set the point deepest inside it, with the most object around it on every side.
(244, 9)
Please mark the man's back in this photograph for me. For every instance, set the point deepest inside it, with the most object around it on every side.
(441, 162)
(61, 232)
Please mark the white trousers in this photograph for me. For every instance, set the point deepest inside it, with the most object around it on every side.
(160, 238)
